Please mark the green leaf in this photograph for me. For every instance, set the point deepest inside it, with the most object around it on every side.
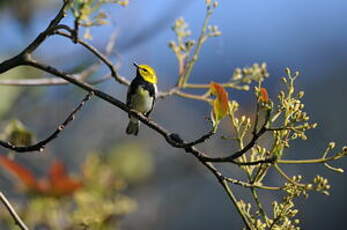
(17, 134)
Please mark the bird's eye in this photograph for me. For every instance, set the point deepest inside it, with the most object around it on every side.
(145, 70)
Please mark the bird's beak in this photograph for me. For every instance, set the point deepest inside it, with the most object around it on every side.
(136, 65)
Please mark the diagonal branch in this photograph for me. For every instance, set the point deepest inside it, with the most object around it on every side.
(41, 145)
(24, 58)
(173, 139)
(81, 76)
(20, 58)
(43, 35)
(249, 146)
(224, 183)
(183, 79)
(99, 55)
(181, 144)
(251, 185)
(165, 133)
(13, 213)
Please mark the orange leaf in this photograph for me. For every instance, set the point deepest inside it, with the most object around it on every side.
(61, 183)
(58, 182)
(24, 175)
(264, 96)
(220, 104)
(57, 171)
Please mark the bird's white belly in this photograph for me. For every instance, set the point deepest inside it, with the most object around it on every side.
(141, 101)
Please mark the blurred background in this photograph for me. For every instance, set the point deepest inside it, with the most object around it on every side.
(171, 190)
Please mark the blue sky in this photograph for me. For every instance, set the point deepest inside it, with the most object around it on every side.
(306, 35)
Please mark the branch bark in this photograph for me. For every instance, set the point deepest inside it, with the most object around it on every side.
(41, 145)
(13, 212)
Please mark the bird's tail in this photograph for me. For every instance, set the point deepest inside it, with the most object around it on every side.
(133, 127)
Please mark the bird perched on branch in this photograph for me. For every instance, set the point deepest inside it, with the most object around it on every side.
(141, 95)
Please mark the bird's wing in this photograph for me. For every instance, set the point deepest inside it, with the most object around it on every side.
(154, 99)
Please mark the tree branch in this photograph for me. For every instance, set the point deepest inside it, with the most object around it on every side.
(49, 81)
(13, 213)
(25, 54)
(173, 139)
(312, 161)
(168, 136)
(202, 38)
(41, 145)
(249, 146)
(99, 55)
(43, 35)
(249, 185)
(223, 181)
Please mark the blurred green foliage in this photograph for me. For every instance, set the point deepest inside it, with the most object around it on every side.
(9, 95)
(87, 13)
(17, 134)
(134, 167)
(99, 203)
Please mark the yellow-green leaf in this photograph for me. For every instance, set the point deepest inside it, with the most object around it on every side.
(16, 133)
(220, 103)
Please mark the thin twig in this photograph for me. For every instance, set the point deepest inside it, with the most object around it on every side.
(192, 96)
(312, 161)
(41, 145)
(48, 81)
(24, 58)
(25, 54)
(98, 54)
(202, 38)
(43, 35)
(34, 82)
(19, 222)
(170, 92)
(249, 146)
(278, 218)
(258, 203)
(234, 200)
(165, 133)
(249, 185)
(59, 81)
(177, 92)
(56, 81)
(285, 176)
(158, 25)
(256, 120)
(225, 85)
(181, 144)
(222, 180)
(269, 160)
(76, 28)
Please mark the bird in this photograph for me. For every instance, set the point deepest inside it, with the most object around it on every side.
(141, 95)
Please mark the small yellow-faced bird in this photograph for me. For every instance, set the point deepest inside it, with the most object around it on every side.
(141, 95)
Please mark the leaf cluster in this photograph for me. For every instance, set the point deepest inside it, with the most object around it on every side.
(97, 204)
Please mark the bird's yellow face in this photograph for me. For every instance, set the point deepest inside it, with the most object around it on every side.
(147, 73)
